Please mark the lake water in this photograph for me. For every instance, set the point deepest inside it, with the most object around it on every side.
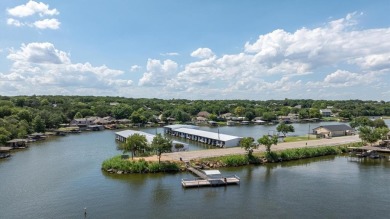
(57, 178)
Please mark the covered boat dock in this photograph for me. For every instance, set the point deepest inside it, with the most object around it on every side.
(211, 138)
(123, 135)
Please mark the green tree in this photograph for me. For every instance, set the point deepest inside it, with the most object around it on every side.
(161, 145)
(369, 134)
(25, 115)
(269, 116)
(239, 111)
(4, 135)
(134, 143)
(78, 116)
(379, 123)
(361, 121)
(248, 144)
(268, 141)
(38, 124)
(284, 128)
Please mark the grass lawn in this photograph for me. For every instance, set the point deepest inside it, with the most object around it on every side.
(298, 138)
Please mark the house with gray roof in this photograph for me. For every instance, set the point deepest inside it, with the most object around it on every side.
(329, 131)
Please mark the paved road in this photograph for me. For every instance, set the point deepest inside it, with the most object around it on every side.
(190, 155)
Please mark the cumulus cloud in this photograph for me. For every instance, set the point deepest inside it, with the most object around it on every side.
(202, 53)
(281, 61)
(42, 67)
(31, 8)
(47, 24)
(157, 72)
(14, 22)
(27, 12)
(135, 68)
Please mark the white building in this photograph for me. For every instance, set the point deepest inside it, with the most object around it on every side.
(212, 138)
(123, 135)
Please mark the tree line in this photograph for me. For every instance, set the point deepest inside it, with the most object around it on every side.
(22, 115)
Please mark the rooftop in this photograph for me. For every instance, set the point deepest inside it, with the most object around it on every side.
(206, 134)
(341, 127)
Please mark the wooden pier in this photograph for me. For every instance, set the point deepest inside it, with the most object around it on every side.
(208, 178)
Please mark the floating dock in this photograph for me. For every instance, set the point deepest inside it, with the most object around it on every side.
(208, 178)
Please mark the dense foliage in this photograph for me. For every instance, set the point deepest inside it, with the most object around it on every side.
(21, 115)
(116, 163)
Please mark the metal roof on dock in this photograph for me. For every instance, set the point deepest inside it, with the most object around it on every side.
(206, 134)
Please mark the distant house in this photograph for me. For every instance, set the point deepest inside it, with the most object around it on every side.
(200, 119)
(114, 103)
(284, 119)
(328, 131)
(203, 114)
(298, 106)
(17, 143)
(326, 112)
(83, 123)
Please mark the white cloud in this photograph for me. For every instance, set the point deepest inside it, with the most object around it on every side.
(31, 8)
(47, 24)
(14, 22)
(41, 68)
(344, 79)
(158, 73)
(170, 54)
(135, 68)
(27, 11)
(281, 60)
(39, 53)
(202, 53)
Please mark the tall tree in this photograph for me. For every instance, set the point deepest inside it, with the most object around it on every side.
(248, 144)
(133, 144)
(38, 124)
(161, 145)
(284, 128)
(268, 141)
(78, 116)
(369, 134)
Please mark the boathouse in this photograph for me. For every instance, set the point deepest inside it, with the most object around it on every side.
(17, 143)
(5, 152)
(123, 135)
(192, 133)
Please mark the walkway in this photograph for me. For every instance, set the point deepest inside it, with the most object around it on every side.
(190, 155)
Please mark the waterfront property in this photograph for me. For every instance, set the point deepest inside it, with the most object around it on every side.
(328, 131)
(192, 133)
(5, 152)
(123, 135)
(17, 143)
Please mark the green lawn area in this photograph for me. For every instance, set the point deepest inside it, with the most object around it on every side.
(299, 138)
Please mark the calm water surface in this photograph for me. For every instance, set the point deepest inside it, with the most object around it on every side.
(57, 178)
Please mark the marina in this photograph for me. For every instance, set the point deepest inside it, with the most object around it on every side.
(211, 138)
(123, 135)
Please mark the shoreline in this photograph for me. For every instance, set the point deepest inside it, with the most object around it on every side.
(175, 160)
(218, 152)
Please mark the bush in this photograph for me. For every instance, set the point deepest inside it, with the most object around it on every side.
(138, 166)
(235, 160)
(301, 153)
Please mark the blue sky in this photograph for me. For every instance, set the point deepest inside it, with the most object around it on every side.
(196, 49)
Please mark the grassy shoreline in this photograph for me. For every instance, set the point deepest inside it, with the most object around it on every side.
(126, 166)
